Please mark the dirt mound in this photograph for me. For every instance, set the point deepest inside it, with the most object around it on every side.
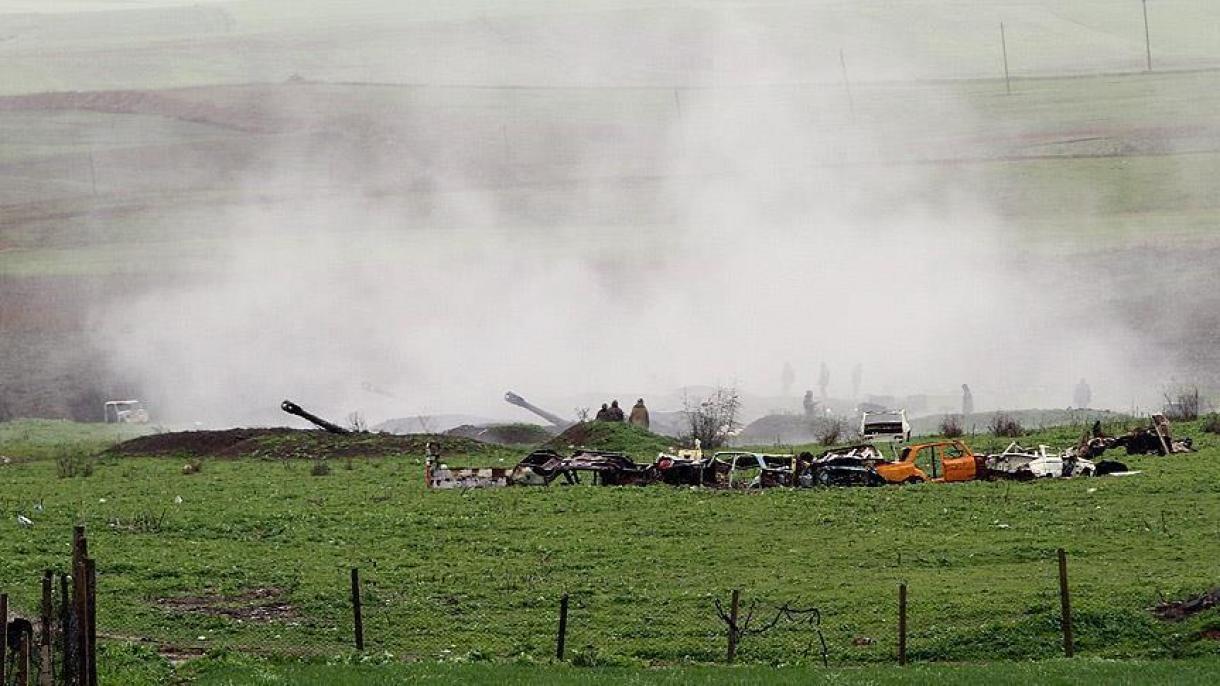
(777, 428)
(284, 443)
(503, 434)
(616, 436)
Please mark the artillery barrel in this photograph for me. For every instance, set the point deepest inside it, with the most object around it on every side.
(514, 399)
(293, 408)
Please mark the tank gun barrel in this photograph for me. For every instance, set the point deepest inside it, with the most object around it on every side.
(293, 408)
(514, 399)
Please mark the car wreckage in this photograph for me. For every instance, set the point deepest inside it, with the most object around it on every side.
(856, 465)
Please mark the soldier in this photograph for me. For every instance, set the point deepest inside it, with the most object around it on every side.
(809, 403)
(616, 412)
(603, 415)
(1083, 394)
(639, 414)
(967, 401)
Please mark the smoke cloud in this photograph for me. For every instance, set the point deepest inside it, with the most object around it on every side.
(422, 250)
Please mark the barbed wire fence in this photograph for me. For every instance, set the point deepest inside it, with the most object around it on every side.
(57, 641)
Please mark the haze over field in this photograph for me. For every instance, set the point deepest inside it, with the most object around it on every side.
(625, 200)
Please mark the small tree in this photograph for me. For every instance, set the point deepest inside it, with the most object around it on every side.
(828, 430)
(712, 420)
(1183, 404)
(951, 426)
(1006, 425)
(355, 422)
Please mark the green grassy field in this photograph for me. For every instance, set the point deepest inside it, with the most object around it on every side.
(476, 575)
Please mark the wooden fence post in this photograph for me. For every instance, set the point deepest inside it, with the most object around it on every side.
(23, 658)
(91, 616)
(357, 616)
(46, 673)
(65, 632)
(733, 609)
(3, 636)
(1065, 606)
(902, 624)
(563, 627)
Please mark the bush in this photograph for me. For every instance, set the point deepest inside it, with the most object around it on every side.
(1183, 405)
(951, 426)
(320, 468)
(1006, 425)
(69, 464)
(829, 430)
(1211, 424)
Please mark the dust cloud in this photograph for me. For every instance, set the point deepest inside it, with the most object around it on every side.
(423, 256)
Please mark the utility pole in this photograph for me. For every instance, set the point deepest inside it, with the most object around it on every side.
(1147, 40)
(851, 105)
(92, 174)
(1004, 48)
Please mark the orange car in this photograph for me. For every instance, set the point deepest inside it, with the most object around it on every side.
(946, 460)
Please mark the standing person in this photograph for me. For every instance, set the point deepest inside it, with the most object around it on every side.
(616, 412)
(809, 404)
(967, 401)
(1083, 395)
(639, 414)
(603, 415)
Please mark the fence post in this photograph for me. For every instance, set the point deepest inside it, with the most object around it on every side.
(65, 632)
(732, 653)
(563, 627)
(46, 673)
(91, 616)
(3, 636)
(1065, 605)
(23, 658)
(80, 605)
(902, 624)
(357, 617)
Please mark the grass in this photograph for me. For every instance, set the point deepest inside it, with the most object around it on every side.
(1067, 672)
(476, 575)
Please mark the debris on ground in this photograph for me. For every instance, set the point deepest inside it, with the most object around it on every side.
(1155, 439)
(1177, 610)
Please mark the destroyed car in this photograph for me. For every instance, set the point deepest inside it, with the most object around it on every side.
(887, 426)
(733, 469)
(854, 465)
(541, 467)
(944, 460)
(1017, 462)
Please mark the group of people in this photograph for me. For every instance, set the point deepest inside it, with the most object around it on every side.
(614, 413)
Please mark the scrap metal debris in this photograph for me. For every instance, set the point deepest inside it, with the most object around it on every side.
(1177, 610)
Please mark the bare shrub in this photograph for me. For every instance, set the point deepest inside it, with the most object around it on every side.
(355, 422)
(1005, 425)
(712, 420)
(582, 414)
(1211, 424)
(1183, 404)
(70, 464)
(951, 426)
(829, 430)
